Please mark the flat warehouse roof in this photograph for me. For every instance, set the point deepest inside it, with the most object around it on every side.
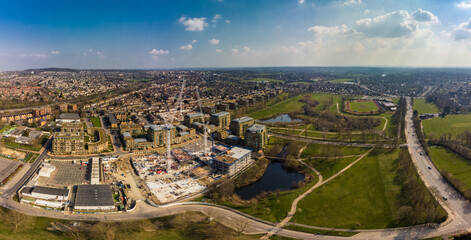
(94, 195)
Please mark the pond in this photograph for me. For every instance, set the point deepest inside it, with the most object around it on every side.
(275, 177)
(284, 118)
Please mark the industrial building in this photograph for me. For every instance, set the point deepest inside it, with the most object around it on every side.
(45, 196)
(256, 137)
(94, 198)
(95, 174)
(238, 126)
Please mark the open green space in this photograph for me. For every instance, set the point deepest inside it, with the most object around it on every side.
(96, 121)
(319, 150)
(341, 80)
(326, 102)
(453, 163)
(421, 106)
(453, 124)
(184, 226)
(286, 106)
(329, 167)
(365, 196)
(363, 106)
(321, 231)
(275, 206)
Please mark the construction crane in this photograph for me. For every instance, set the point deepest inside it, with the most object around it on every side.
(205, 134)
(180, 98)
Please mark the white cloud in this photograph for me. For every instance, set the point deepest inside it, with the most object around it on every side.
(324, 31)
(464, 4)
(213, 41)
(154, 53)
(34, 55)
(348, 3)
(246, 49)
(218, 50)
(390, 25)
(235, 50)
(193, 24)
(55, 52)
(463, 32)
(186, 47)
(216, 18)
(424, 16)
(300, 1)
(100, 54)
(228, 21)
(194, 41)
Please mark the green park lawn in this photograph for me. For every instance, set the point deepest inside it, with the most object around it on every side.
(38, 230)
(362, 197)
(421, 106)
(369, 106)
(453, 163)
(454, 124)
(294, 105)
(96, 121)
(317, 150)
(329, 167)
(275, 206)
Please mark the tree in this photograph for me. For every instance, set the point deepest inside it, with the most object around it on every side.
(104, 230)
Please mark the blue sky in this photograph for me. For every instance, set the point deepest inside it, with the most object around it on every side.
(230, 33)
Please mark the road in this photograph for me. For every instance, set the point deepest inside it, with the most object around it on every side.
(458, 208)
(34, 167)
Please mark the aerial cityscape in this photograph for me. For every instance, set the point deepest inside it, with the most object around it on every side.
(221, 119)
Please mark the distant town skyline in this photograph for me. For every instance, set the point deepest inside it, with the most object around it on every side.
(228, 33)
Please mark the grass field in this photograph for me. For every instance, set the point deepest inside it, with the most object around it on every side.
(293, 105)
(454, 124)
(453, 163)
(363, 106)
(341, 80)
(362, 197)
(274, 207)
(329, 167)
(424, 107)
(38, 230)
(320, 231)
(316, 150)
(96, 121)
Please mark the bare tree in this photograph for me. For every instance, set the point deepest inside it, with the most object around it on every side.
(17, 220)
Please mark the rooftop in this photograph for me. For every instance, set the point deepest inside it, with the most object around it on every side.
(256, 128)
(94, 195)
(220, 114)
(126, 134)
(238, 152)
(68, 134)
(242, 119)
(194, 115)
(51, 191)
(140, 140)
(71, 116)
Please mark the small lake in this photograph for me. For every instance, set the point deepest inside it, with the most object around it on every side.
(285, 118)
(275, 177)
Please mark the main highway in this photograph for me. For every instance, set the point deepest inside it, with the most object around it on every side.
(457, 207)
